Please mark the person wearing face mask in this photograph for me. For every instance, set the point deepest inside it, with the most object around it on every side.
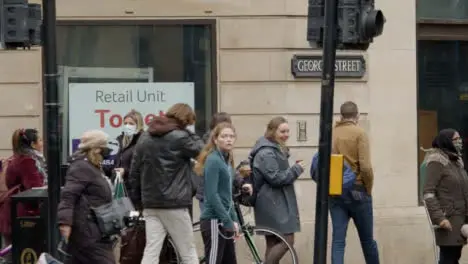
(132, 129)
(274, 179)
(446, 194)
(86, 187)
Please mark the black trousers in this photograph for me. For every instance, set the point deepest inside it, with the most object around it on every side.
(218, 249)
(450, 254)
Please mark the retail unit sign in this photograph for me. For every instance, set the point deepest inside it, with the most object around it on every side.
(103, 105)
(307, 66)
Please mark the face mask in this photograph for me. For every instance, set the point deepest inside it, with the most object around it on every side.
(105, 153)
(129, 130)
(458, 144)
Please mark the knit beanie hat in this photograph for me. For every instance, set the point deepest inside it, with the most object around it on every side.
(93, 139)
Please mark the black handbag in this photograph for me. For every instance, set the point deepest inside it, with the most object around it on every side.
(110, 217)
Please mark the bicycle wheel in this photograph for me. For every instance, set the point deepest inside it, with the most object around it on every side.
(251, 247)
(169, 253)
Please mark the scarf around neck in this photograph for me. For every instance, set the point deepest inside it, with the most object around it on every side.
(41, 164)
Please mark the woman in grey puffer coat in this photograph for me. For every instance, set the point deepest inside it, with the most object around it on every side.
(215, 120)
(275, 205)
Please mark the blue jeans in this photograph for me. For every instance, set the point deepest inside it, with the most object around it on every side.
(344, 209)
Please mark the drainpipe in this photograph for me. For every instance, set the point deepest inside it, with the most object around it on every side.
(51, 119)
(326, 120)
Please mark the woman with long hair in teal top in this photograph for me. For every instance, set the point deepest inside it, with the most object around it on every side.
(219, 224)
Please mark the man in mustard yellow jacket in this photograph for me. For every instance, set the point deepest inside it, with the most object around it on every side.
(352, 142)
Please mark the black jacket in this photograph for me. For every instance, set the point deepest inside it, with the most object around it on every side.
(124, 157)
(160, 174)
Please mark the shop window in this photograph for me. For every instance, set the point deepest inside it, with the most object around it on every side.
(442, 9)
(442, 91)
(171, 52)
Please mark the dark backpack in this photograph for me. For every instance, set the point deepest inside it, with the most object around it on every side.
(245, 199)
(250, 200)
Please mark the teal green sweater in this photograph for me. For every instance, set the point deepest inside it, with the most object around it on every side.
(219, 176)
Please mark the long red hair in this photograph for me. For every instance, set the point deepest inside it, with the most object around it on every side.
(211, 146)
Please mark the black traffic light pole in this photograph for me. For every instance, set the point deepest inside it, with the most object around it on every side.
(51, 120)
(326, 120)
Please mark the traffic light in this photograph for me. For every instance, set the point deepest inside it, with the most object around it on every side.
(34, 24)
(20, 24)
(358, 23)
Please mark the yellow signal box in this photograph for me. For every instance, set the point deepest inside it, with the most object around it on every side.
(336, 174)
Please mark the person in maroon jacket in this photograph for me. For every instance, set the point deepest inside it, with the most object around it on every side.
(26, 168)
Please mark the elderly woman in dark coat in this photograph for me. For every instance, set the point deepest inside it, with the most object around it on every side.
(446, 194)
(276, 204)
(86, 187)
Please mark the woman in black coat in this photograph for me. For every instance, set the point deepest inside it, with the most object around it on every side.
(132, 129)
(86, 187)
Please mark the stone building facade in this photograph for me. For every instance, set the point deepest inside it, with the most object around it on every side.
(255, 42)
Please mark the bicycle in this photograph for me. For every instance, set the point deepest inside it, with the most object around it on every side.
(3, 253)
(168, 253)
(248, 232)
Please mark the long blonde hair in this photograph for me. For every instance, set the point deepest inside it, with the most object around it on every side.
(211, 146)
(137, 117)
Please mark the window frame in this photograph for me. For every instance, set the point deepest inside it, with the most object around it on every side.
(211, 23)
(435, 30)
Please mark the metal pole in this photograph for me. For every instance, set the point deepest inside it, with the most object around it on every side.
(51, 120)
(326, 120)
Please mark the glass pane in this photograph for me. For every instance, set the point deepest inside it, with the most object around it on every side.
(442, 9)
(175, 53)
(442, 91)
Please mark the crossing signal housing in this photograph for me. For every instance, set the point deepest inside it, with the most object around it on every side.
(358, 23)
(372, 24)
(20, 24)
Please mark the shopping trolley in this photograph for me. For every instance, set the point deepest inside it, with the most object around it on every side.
(433, 228)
